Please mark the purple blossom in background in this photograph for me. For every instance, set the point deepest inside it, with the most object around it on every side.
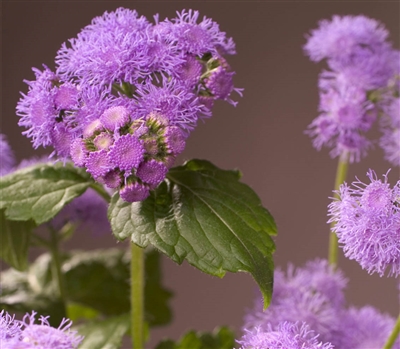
(27, 334)
(88, 214)
(126, 93)
(287, 335)
(365, 328)
(367, 223)
(363, 66)
(312, 294)
(6, 156)
(390, 127)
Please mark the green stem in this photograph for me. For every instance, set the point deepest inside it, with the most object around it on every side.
(341, 173)
(56, 265)
(137, 296)
(101, 191)
(393, 336)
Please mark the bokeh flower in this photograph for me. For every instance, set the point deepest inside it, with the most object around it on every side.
(362, 66)
(287, 335)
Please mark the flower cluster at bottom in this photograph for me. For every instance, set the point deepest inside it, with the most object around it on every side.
(26, 334)
(308, 309)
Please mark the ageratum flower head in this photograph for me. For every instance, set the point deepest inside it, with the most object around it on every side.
(362, 67)
(28, 334)
(312, 294)
(287, 335)
(364, 328)
(126, 93)
(367, 223)
(6, 156)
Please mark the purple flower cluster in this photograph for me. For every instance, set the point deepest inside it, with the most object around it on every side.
(126, 94)
(360, 83)
(313, 296)
(287, 336)
(367, 223)
(26, 334)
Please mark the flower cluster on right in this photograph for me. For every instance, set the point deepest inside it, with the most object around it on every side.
(360, 87)
(308, 311)
(126, 94)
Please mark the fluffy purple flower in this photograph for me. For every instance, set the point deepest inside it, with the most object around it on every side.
(362, 67)
(115, 117)
(7, 159)
(9, 327)
(27, 334)
(199, 38)
(190, 70)
(390, 127)
(152, 172)
(346, 115)
(105, 51)
(220, 83)
(312, 294)
(61, 139)
(365, 328)
(344, 37)
(126, 153)
(134, 192)
(36, 109)
(45, 336)
(112, 79)
(88, 213)
(172, 100)
(287, 335)
(367, 223)
(66, 97)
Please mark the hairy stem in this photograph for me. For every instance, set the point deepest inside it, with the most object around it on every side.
(393, 336)
(341, 173)
(56, 267)
(137, 296)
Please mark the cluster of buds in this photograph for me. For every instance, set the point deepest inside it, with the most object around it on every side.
(131, 155)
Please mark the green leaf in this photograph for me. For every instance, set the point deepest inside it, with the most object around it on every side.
(33, 289)
(106, 334)
(98, 279)
(14, 237)
(95, 281)
(207, 216)
(80, 312)
(221, 338)
(39, 192)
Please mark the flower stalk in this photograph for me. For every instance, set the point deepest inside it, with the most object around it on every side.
(137, 296)
(56, 267)
(341, 173)
(393, 336)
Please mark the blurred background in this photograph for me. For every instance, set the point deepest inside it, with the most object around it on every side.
(263, 136)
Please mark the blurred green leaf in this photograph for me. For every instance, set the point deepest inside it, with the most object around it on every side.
(220, 338)
(104, 334)
(15, 237)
